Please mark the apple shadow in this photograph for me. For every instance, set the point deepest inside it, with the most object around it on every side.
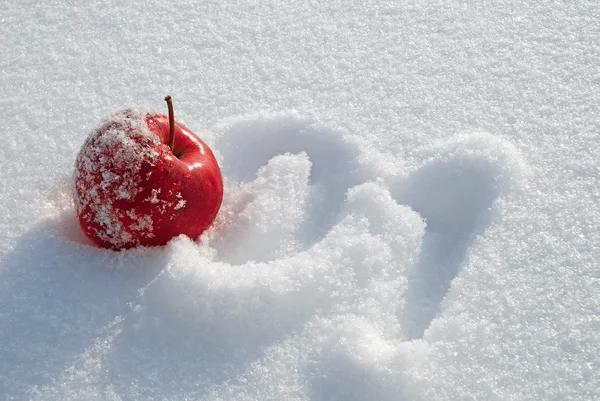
(453, 197)
(56, 295)
(246, 144)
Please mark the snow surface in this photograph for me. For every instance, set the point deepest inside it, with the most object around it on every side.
(411, 205)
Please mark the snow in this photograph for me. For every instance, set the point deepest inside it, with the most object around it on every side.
(411, 202)
(108, 169)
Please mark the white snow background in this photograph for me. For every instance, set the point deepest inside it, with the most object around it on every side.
(411, 201)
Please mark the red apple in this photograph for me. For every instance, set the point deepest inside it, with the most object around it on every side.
(141, 178)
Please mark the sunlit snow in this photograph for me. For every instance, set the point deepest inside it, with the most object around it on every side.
(411, 202)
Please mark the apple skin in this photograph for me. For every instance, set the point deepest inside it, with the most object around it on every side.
(132, 190)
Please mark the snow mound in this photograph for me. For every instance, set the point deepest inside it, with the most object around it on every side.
(314, 276)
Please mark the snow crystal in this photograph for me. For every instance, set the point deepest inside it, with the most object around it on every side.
(154, 197)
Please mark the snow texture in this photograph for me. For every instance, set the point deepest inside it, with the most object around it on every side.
(110, 161)
(411, 202)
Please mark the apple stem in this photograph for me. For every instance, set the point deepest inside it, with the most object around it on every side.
(171, 123)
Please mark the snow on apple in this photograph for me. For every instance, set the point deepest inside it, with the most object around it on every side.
(141, 179)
